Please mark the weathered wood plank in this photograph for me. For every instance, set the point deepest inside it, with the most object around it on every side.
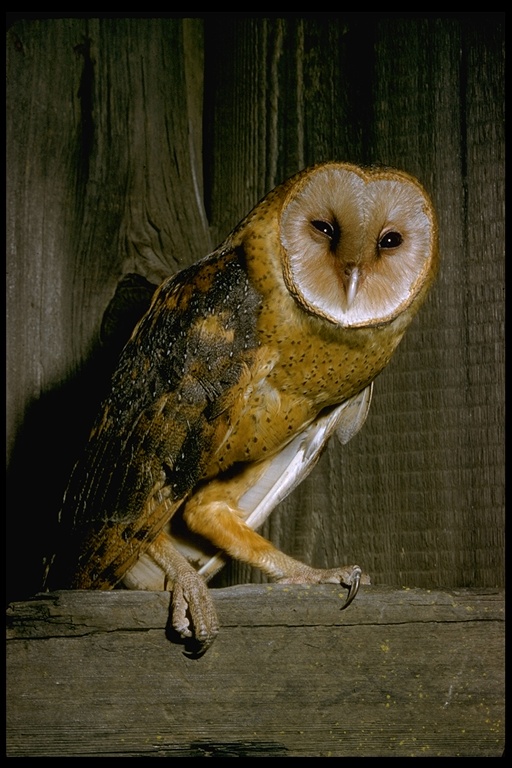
(401, 673)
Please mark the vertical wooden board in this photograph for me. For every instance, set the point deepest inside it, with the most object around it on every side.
(448, 502)
(43, 120)
(43, 160)
(336, 67)
(426, 430)
(399, 473)
(241, 98)
(483, 467)
(105, 177)
(156, 85)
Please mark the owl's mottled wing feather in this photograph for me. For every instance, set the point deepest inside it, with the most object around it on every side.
(168, 405)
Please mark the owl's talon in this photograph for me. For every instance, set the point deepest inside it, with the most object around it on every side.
(353, 588)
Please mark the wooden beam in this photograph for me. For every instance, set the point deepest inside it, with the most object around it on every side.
(401, 673)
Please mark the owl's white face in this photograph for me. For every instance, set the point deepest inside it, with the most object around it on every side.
(359, 245)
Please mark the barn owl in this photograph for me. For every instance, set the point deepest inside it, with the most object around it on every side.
(233, 381)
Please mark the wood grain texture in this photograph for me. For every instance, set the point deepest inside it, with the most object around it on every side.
(133, 145)
(403, 673)
(105, 179)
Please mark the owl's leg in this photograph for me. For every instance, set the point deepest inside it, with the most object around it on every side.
(193, 614)
(221, 523)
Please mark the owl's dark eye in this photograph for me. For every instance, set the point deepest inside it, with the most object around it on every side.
(391, 240)
(325, 227)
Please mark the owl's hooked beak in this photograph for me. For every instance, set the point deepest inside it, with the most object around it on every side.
(352, 280)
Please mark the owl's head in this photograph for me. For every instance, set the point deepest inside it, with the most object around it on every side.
(359, 245)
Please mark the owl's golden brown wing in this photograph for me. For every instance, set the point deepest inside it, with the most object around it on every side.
(169, 404)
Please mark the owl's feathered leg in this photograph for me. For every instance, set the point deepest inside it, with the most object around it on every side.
(221, 523)
(192, 612)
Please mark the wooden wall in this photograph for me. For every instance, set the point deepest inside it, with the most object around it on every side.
(134, 145)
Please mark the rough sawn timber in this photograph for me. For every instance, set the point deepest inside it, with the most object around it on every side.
(406, 672)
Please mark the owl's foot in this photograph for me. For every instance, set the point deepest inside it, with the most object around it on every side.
(193, 617)
(350, 576)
